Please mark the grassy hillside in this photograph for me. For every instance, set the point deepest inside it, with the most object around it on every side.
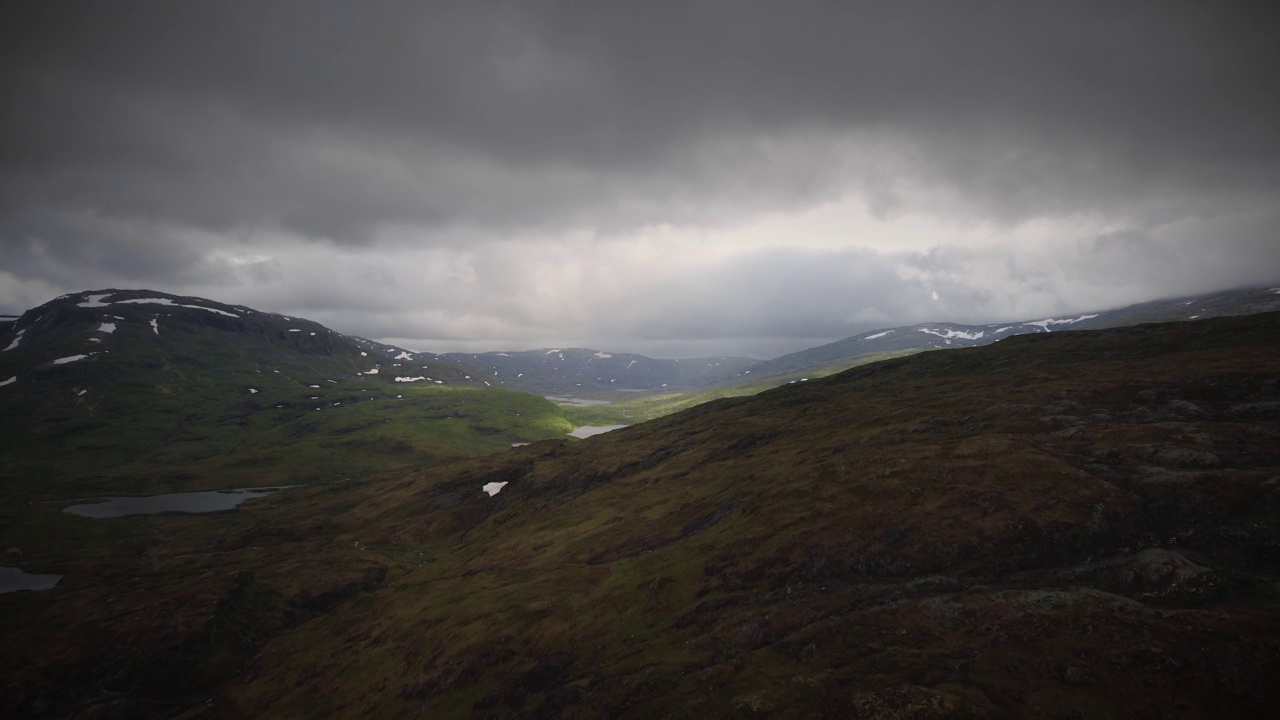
(1066, 525)
(197, 394)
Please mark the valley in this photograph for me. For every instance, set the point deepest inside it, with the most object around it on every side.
(1058, 525)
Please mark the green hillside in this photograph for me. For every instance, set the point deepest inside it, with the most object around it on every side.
(164, 393)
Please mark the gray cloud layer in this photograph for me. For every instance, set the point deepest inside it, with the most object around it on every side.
(161, 143)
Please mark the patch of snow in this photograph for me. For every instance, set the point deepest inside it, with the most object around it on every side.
(107, 327)
(502, 354)
(633, 362)
(364, 354)
(439, 382)
(10, 381)
(948, 334)
(68, 359)
(1006, 327)
(370, 372)
(81, 393)
(16, 339)
(1274, 291)
(313, 386)
(403, 356)
(494, 488)
(294, 330)
(877, 335)
(1193, 317)
(1046, 323)
(335, 382)
(167, 301)
(155, 326)
(603, 355)
(253, 391)
(94, 301)
(313, 334)
(409, 379)
(553, 351)
(95, 340)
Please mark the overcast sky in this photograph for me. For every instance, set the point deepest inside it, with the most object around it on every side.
(675, 179)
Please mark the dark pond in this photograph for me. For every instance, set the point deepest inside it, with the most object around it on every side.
(190, 502)
(14, 579)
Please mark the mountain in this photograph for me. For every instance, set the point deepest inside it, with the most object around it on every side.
(571, 371)
(112, 389)
(1063, 525)
(940, 335)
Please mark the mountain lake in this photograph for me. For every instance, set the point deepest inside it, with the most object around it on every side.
(577, 402)
(587, 431)
(189, 502)
(14, 579)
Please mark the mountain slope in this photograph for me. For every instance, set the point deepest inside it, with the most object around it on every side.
(154, 390)
(1060, 525)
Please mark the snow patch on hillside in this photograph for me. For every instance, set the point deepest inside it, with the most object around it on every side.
(155, 326)
(10, 381)
(1051, 321)
(494, 488)
(603, 355)
(16, 339)
(950, 334)
(166, 301)
(107, 327)
(403, 356)
(411, 379)
(877, 335)
(70, 359)
(92, 301)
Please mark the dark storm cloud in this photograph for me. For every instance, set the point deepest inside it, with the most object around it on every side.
(206, 146)
(334, 118)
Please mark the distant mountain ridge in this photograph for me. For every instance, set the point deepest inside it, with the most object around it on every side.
(581, 370)
(577, 371)
(939, 335)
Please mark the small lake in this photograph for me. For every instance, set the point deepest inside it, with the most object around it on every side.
(587, 431)
(577, 402)
(190, 502)
(14, 579)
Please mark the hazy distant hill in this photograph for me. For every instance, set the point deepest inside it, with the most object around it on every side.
(579, 370)
(127, 385)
